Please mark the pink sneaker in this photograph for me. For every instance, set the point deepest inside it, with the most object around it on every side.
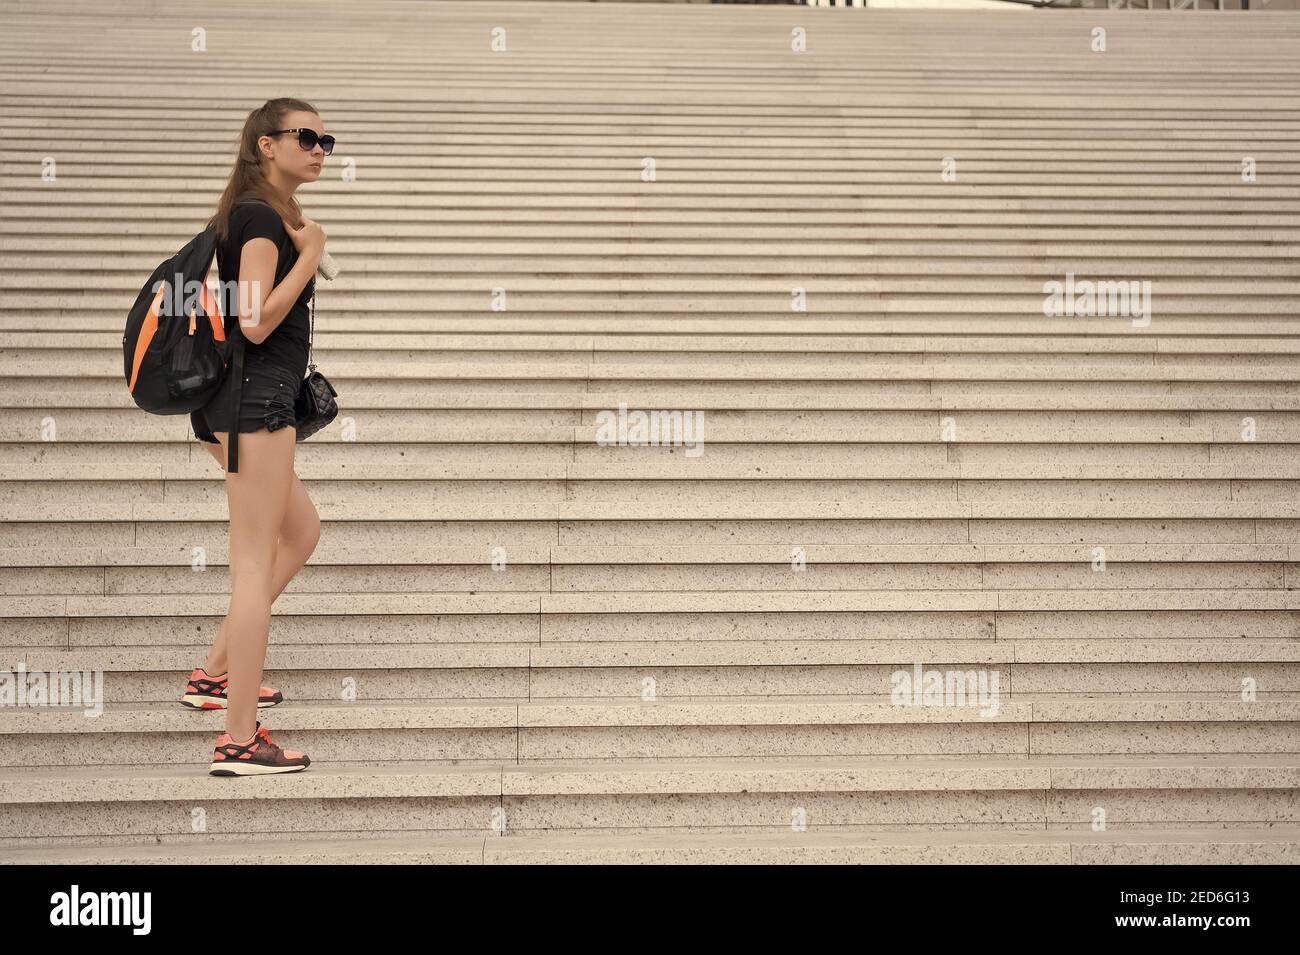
(260, 756)
(206, 692)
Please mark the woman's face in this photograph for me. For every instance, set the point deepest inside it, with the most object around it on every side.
(283, 151)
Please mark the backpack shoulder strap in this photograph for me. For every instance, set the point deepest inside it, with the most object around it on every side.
(235, 368)
(236, 389)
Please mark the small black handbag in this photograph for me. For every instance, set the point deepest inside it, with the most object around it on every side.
(314, 406)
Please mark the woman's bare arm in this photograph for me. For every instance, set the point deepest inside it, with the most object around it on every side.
(263, 305)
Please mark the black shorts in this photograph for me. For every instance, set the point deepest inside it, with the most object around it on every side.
(265, 402)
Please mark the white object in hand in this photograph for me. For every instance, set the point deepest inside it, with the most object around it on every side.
(327, 268)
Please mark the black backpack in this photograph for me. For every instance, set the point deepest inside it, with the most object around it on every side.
(176, 351)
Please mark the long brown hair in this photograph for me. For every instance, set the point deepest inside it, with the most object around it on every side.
(248, 175)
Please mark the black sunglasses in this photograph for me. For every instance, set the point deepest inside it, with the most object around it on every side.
(308, 139)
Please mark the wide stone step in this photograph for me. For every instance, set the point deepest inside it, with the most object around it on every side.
(796, 573)
(1011, 556)
(143, 783)
(396, 268)
(743, 651)
(642, 513)
(209, 488)
(20, 363)
(1276, 846)
(632, 731)
(145, 605)
(1027, 668)
(375, 393)
(952, 328)
(691, 797)
(343, 350)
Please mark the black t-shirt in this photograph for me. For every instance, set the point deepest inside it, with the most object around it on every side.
(287, 344)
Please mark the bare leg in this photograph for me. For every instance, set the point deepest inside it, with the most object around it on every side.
(299, 534)
(258, 497)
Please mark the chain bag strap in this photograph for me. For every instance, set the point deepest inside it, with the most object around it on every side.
(314, 406)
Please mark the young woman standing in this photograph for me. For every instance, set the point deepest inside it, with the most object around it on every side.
(271, 250)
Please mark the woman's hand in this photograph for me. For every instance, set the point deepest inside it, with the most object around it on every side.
(310, 239)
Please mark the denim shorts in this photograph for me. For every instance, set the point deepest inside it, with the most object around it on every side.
(265, 402)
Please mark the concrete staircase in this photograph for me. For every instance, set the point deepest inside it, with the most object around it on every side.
(679, 657)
